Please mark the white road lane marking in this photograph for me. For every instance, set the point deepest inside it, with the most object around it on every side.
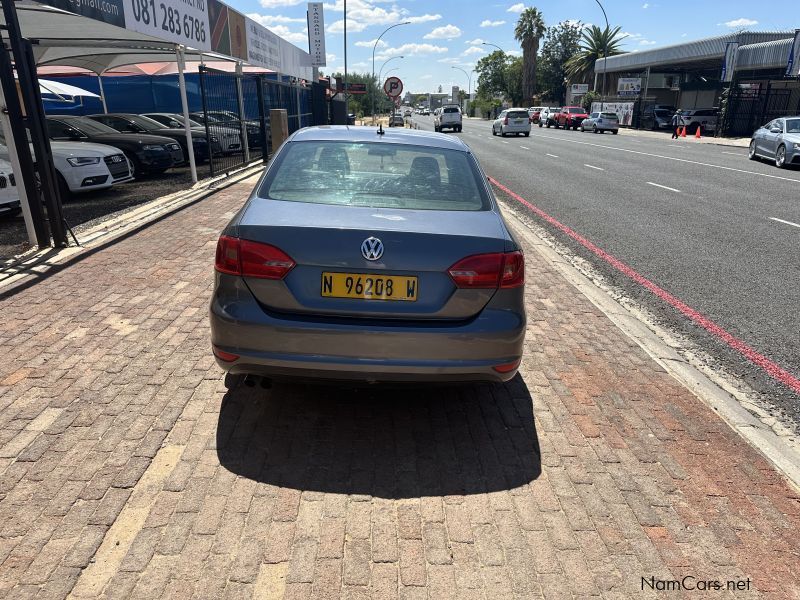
(663, 186)
(593, 167)
(524, 147)
(505, 142)
(684, 160)
(733, 153)
(782, 221)
(553, 155)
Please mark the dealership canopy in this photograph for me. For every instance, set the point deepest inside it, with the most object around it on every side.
(111, 33)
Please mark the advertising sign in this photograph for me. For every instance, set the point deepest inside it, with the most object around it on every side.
(728, 62)
(629, 86)
(624, 110)
(793, 62)
(316, 34)
(263, 47)
(108, 11)
(579, 89)
(393, 87)
(183, 22)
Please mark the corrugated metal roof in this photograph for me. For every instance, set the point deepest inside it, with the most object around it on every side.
(698, 50)
(765, 55)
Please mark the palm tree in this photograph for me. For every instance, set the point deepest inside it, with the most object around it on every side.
(594, 42)
(529, 30)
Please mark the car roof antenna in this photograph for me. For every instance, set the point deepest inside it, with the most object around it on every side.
(380, 129)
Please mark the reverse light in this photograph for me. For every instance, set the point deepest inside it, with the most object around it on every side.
(80, 161)
(489, 271)
(251, 259)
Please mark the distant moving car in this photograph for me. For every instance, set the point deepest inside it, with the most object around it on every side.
(512, 120)
(570, 116)
(547, 116)
(132, 123)
(448, 117)
(146, 153)
(224, 140)
(397, 121)
(600, 122)
(778, 140)
(369, 258)
(534, 112)
(704, 118)
(655, 117)
(9, 196)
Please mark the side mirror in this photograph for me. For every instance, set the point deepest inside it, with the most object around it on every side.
(775, 130)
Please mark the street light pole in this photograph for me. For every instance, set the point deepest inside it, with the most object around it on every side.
(504, 58)
(605, 55)
(469, 84)
(375, 45)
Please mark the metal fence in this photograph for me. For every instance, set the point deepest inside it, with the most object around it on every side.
(236, 115)
(751, 105)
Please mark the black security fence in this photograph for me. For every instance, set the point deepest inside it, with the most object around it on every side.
(747, 105)
(236, 115)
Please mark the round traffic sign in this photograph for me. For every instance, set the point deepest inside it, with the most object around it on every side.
(393, 87)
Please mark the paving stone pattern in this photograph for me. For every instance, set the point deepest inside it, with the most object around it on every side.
(128, 471)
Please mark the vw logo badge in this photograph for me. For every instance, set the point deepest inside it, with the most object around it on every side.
(372, 248)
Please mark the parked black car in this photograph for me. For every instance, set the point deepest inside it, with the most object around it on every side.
(147, 153)
(132, 123)
(226, 118)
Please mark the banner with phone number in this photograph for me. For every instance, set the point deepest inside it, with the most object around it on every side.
(180, 21)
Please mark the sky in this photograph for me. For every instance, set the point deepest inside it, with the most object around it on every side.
(449, 33)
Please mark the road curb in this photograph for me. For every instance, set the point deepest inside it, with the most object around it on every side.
(782, 453)
(34, 266)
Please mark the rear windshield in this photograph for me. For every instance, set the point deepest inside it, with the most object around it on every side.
(377, 175)
(575, 111)
(451, 109)
(517, 114)
(609, 115)
(663, 113)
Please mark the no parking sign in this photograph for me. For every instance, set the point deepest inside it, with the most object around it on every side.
(393, 87)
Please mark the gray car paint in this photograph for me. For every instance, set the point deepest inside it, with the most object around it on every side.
(284, 328)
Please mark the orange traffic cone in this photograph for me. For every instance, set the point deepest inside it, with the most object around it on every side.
(697, 133)
(683, 131)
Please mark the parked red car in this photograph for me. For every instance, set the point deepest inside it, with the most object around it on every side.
(571, 116)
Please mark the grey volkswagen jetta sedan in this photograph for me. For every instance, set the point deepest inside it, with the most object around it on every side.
(370, 256)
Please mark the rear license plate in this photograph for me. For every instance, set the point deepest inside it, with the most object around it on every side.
(362, 286)
(520, 121)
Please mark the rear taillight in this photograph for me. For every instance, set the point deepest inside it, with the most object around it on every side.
(507, 367)
(251, 259)
(489, 271)
(222, 355)
(505, 121)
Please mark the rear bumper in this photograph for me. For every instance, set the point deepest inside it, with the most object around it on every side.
(277, 345)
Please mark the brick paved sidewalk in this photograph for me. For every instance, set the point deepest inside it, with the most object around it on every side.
(128, 471)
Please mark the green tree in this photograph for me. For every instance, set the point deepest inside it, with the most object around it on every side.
(561, 42)
(588, 98)
(594, 42)
(500, 75)
(529, 30)
(514, 72)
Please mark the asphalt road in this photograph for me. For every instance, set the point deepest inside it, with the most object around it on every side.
(709, 236)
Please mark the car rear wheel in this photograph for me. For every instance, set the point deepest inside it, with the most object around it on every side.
(540, 124)
(780, 157)
(527, 134)
(751, 151)
(615, 131)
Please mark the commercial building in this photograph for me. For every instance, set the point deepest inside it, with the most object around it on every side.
(750, 77)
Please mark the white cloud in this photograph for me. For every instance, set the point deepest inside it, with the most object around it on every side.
(428, 76)
(371, 43)
(647, 43)
(450, 61)
(411, 50)
(488, 23)
(330, 57)
(575, 22)
(447, 32)
(473, 50)
(631, 36)
(274, 3)
(740, 23)
(684, 34)
(365, 13)
(475, 42)
(514, 52)
(516, 8)
(645, 5)
(423, 18)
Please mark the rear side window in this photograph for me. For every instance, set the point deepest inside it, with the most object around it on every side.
(376, 175)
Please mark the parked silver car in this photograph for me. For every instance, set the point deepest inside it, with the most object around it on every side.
(512, 120)
(778, 140)
(600, 122)
(370, 257)
(547, 116)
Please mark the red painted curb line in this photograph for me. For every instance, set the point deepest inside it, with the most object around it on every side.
(772, 369)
